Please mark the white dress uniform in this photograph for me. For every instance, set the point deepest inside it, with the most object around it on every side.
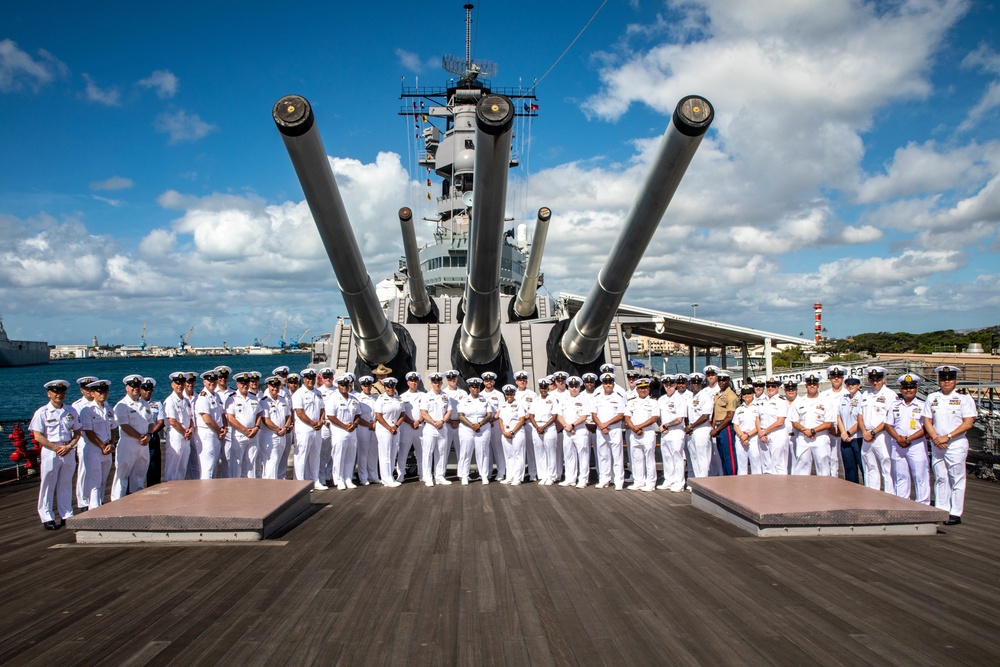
(367, 444)
(834, 398)
(131, 457)
(285, 396)
(435, 440)
(525, 399)
(560, 458)
(409, 437)
(673, 412)
(774, 452)
(808, 413)
(455, 395)
(700, 442)
(542, 409)
(910, 463)
(643, 447)
(875, 407)
(327, 461)
(508, 414)
(178, 447)
(81, 465)
(208, 445)
(576, 444)
(946, 412)
(56, 488)
(307, 440)
(244, 455)
(497, 455)
(475, 409)
(224, 396)
(344, 443)
(101, 420)
(272, 445)
(390, 407)
(609, 446)
(747, 456)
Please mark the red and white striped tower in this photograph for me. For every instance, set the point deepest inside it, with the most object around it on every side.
(818, 307)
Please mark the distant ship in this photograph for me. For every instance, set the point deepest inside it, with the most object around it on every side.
(21, 352)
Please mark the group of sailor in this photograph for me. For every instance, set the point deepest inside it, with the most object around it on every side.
(335, 432)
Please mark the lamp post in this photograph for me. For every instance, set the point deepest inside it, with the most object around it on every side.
(694, 309)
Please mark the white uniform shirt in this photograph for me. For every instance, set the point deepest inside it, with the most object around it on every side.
(609, 406)
(525, 399)
(572, 408)
(274, 409)
(244, 409)
(771, 410)
(310, 402)
(366, 406)
(455, 395)
(875, 406)
(390, 407)
(436, 405)
(179, 408)
(79, 404)
(509, 413)
(98, 418)
(811, 412)
(56, 424)
(745, 417)
(207, 403)
(495, 399)
(641, 409)
(672, 408)
(542, 409)
(344, 408)
(588, 397)
(474, 409)
(908, 419)
(948, 412)
(411, 404)
(132, 413)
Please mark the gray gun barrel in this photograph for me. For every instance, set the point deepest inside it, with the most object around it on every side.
(480, 337)
(588, 331)
(524, 306)
(295, 120)
(420, 303)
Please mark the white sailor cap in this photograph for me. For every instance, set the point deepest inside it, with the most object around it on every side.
(876, 371)
(242, 378)
(681, 377)
(574, 381)
(308, 372)
(132, 380)
(474, 381)
(99, 384)
(947, 372)
(544, 382)
(560, 376)
(710, 369)
(607, 368)
(413, 375)
(85, 380)
(254, 375)
(178, 376)
(836, 370)
(211, 375)
(607, 377)
(725, 374)
(279, 370)
(148, 383)
(224, 371)
(57, 385)
(642, 383)
(631, 374)
(812, 378)
(351, 376)
(509, 389)
(366, 379)
(489, 376)
(589, 377)
(907, 380)
(696, 377)
(293, 377)
(435, 377)
(326, 372)
(273, 381)
(521, 375)
(452, 374)
(343, 379)
(669, 378)
(389, 381)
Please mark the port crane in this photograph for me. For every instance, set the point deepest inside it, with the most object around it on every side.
(184, 340)
(284, 333)
(299, 341)
(142, 337)
(259, 342)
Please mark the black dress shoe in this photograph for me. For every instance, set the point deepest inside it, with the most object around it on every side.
(952, 520)
(50, 525)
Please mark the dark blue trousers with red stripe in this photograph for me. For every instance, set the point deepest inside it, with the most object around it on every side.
(726, 442)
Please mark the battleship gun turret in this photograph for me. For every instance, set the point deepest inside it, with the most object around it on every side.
(525, 306)
(420, 303)
(378, 342)
(582, 341)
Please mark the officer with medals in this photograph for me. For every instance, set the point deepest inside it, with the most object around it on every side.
(909, 447)
(948, 416)
(134, 419)
(56, 428)
(178, 418)
(154, 472)
(98, 423)
(436, 411)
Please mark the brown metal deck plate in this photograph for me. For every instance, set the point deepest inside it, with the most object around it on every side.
(773, 505)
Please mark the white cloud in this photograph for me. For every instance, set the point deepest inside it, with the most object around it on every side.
(108, 200)
(182, 126)
(412, 61)
(113, 183)
(107, 96)
(163, 81)
(918, 168)
(19, 70)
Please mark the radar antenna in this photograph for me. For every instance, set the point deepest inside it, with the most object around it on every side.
(466, 69)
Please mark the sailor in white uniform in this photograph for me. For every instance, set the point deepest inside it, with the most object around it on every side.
(210, 418)
(542, 416)
(573, 413)
(812, 416)
(56, 428)
(328, 463)
(642, 415)
(132, 455)
(496, 399)
(194, 463)
(86, 398)
(834, 395)
(525, 397)
(510, 421)
(609, 414)
(178, 417)
(699, 427)
(409, 434)
(388, 417)
(436, 411)
(745, 428)
(475, 415)
(244, 416)
(365, 433)
(948, 416)
(98, 423)
(224, 393)
(772, 438)
(905, 427)
(456, 394)
(342, 411)
(307, 406)
(875, 406)
(673, 415)
(276, 417)
(154, 469)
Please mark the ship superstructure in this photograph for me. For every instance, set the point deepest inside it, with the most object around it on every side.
(21, 352)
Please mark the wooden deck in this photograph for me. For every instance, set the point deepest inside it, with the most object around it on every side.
(528, 575)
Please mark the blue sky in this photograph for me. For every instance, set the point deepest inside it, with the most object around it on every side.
(854, 159)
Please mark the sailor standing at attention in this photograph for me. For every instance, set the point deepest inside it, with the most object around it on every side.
(328, 464)
(909, 447)
(673, 413)
(475, 416)
(641, 416)
(277, 425)
(409, 434)
(875, 406)
(772, 438)
(812, 415)
(609, 413)
(510, 420)
(342, 411)
(310, 416)
(435, 410)
(724, 405)
(456, 394)
(573, 413)
(745, 428)
(154, 471)
(542, 417)
(847, 425)
(132, 455)
(365, 433)
(948, 416)
(833, 396)
(56, 428)
(558, 393)
(388, 418)
(209, 417)
(178, 417)
(98, 423)
(698, 428)
(224, 393)
(496, 399)
(86, 398)
(244, 416)
(525, 397)
(194, 463)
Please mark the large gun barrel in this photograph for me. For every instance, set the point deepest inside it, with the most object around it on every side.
(480, 337)
(294, 118)
(524, 306)
(420, 303)
(587, 332)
